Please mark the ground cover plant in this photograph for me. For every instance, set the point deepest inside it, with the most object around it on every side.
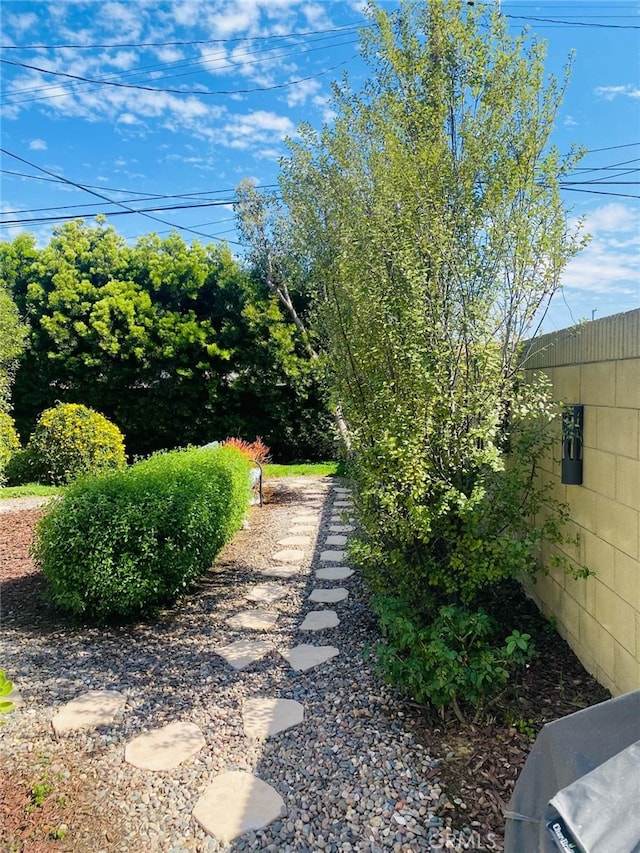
(119, 544)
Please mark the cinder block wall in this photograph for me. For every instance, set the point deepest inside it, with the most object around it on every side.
(598, 365)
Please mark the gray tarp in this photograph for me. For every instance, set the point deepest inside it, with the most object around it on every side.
(565, 751)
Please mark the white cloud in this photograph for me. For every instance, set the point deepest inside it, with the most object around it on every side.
(608, 266)
(298, 94)
(21, 23)
(37, 145)
(569, 121)
(253, 129)
(629, 90)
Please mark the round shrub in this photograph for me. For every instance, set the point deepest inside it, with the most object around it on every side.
(70, 439)
(9, 442)
(119, 544)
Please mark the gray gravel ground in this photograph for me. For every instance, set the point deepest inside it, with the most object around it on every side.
(352, 775)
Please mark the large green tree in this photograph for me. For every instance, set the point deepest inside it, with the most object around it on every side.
(174, 343)
(434, 232)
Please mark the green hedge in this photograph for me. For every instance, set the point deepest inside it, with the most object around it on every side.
(119, 544)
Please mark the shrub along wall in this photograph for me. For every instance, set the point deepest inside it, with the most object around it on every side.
(119, 544)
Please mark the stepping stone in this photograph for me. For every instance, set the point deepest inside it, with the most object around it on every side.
(92, 709)
(267, 593)
(341, 490)
(318, 620)
(295, 540)
(329, 596)
(243, 652)
(343, 504)
(284, 571)
(254, 620)
(306, 518)
(264, 718)
(237, 802)
(333, 556)
(304, 657)
(336, 540)
(334, 573)
(289, 555)
(165, 748)
(302, 529)
(341, 519)
(341, 528)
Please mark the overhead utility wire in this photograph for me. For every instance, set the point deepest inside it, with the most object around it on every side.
(107, 199)
(350, 28)
(575, 23)
(132, 192)
(172, 91)
(197, 64)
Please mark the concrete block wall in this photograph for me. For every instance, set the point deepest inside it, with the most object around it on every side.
(598, 365)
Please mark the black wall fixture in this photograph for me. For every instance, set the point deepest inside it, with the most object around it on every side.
(572, 431)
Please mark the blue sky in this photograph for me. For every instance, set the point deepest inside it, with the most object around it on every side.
(208, 90)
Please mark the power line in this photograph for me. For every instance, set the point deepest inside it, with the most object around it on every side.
(189, 43)
(132, 192)
(198, 64)
(169, 91)
(575, 23)
(107, 199)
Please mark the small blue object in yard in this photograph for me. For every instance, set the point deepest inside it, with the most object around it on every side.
(256, 483)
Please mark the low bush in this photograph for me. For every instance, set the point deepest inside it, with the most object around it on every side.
(70, 440)
(9, 442)
(457, 660)
(256, 450)
(119, 544)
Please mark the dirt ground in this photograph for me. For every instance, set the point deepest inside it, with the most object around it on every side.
(479, 763)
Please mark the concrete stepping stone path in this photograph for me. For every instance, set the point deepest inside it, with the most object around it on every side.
(243, 653)
(334, 573)
(319, 620)
(329, 596)
(267, 593)
(165, 748)
(237, 802)
(92, 709)
(341, 528)
(333, 556)
(253, 620)
(263, 718)
(304, 657)
(289, 555)
(284, 571)
(295, 540)
(305, 518)
(335, 540)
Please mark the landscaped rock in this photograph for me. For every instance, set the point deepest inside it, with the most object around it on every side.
(237, 802)
(329, 596)
(319, 620)
(335, 540)
(304, 657)
(334, 573)
(267, 593)
(289, 555)
(165, 748)
(263, 718)
(242, 653)
(333, 556)
(254, 620)
(92, 709)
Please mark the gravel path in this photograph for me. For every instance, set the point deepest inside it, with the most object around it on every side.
(352, 776)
